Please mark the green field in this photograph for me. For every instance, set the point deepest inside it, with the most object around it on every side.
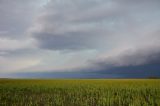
(79, 92)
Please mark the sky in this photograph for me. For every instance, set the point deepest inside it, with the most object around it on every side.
(107, 37)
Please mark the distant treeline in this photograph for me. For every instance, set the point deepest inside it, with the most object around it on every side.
(153, 77)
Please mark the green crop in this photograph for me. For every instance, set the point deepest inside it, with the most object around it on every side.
(79, 92)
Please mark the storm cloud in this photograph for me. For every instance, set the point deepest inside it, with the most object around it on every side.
(79, 35)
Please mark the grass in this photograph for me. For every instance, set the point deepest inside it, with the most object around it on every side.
(80, 92)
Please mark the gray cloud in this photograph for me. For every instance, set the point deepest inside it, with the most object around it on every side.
(124, 32)
(97, 34)
(69, 41)
(16, 17)
(94, 24)
(72, 25)
(126, 58)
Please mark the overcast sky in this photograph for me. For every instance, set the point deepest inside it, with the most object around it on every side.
(78, 35)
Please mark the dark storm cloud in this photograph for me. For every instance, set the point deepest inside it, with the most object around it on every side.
(128, 58)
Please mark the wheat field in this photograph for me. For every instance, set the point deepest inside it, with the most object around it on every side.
(79, 92)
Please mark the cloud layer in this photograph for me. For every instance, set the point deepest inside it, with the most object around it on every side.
(73, 35)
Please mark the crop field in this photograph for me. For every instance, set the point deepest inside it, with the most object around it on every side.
(85, 92)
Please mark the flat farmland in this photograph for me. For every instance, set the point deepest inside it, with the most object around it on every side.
(79, 92)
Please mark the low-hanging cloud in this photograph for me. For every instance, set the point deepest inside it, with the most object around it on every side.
(126, 58)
